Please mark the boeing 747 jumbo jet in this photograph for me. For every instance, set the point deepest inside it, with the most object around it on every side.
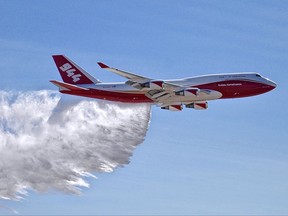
(171, 95)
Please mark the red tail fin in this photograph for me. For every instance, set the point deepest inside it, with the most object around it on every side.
(71, 72)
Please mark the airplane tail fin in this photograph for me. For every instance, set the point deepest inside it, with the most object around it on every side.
(71, 73)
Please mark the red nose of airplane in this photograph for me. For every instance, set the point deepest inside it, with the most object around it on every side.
(271, 84)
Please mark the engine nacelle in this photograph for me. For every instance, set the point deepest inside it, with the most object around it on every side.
(198, 105)
(188, 92)
(153, 84)
(173, 107)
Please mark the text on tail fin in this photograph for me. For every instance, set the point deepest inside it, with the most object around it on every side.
(71, 72)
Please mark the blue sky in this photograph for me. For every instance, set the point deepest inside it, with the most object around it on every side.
(229, 159)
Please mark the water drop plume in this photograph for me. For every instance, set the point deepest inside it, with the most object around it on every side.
(54, 142)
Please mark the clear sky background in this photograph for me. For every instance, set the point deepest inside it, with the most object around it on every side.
(229, 159)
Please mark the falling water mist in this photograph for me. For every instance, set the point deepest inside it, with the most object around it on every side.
(54, 142)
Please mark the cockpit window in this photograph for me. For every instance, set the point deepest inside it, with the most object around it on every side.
(258, 75)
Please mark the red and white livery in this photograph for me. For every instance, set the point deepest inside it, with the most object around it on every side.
(172, 95)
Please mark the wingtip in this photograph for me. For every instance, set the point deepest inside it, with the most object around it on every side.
(102, 65)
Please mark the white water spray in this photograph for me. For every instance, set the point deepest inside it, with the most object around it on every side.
(49, 142)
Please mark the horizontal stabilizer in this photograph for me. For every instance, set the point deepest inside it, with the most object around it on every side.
(67, 86)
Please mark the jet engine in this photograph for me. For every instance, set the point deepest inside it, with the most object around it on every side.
(153, 84)
(188, 92)
(173, 107)
(198, 105)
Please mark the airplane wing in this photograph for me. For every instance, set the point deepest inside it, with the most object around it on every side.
(157, 90)
(161, 92)
(135, 77)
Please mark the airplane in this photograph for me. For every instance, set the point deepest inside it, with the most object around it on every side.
(193, 92)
